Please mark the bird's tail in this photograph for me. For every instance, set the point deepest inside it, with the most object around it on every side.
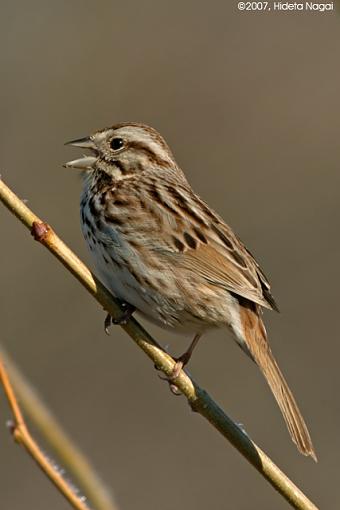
(256, 343)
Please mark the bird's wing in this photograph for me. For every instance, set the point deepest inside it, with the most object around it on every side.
(225, 262)
(210, 249)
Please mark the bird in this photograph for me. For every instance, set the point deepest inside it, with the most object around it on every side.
(162, 251)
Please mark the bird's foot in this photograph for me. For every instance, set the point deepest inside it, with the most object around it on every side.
(123, 319)
(181, 361)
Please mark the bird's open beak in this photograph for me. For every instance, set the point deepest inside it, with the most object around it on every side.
(83, 143)
(86, 162)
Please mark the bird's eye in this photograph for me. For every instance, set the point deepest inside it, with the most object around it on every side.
(116, 143)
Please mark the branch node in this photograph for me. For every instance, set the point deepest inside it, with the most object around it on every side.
(11, 426)
(40, 231)
(15, 431)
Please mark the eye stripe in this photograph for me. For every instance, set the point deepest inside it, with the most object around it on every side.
(154, 158)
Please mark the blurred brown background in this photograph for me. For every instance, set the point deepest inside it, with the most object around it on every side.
(249, 104)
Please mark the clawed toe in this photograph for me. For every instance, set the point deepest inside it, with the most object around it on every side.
(107, 324)
(174, 389)
(174, 374)
(171, 378)
(176, 370)
(179, 365)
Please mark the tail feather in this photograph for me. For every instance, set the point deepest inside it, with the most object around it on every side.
(256, 345)
(289, 409)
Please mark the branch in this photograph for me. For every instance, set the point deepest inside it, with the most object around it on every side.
(68, 454)
(198, 399)
(22, 436)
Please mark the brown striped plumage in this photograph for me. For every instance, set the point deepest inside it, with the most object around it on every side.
(160, 248)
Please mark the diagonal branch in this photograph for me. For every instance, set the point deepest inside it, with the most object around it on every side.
(22, 436)
(71, 458)
(198, 399)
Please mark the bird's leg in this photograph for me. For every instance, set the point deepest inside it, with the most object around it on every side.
(123, 319)
(184, 359)
(181, 361)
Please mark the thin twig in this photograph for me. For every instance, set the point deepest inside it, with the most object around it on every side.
(198, 399)
(71, 458)
(22, 436)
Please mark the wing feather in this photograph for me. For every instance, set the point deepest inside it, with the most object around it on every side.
(231, 268)
(211, 249)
